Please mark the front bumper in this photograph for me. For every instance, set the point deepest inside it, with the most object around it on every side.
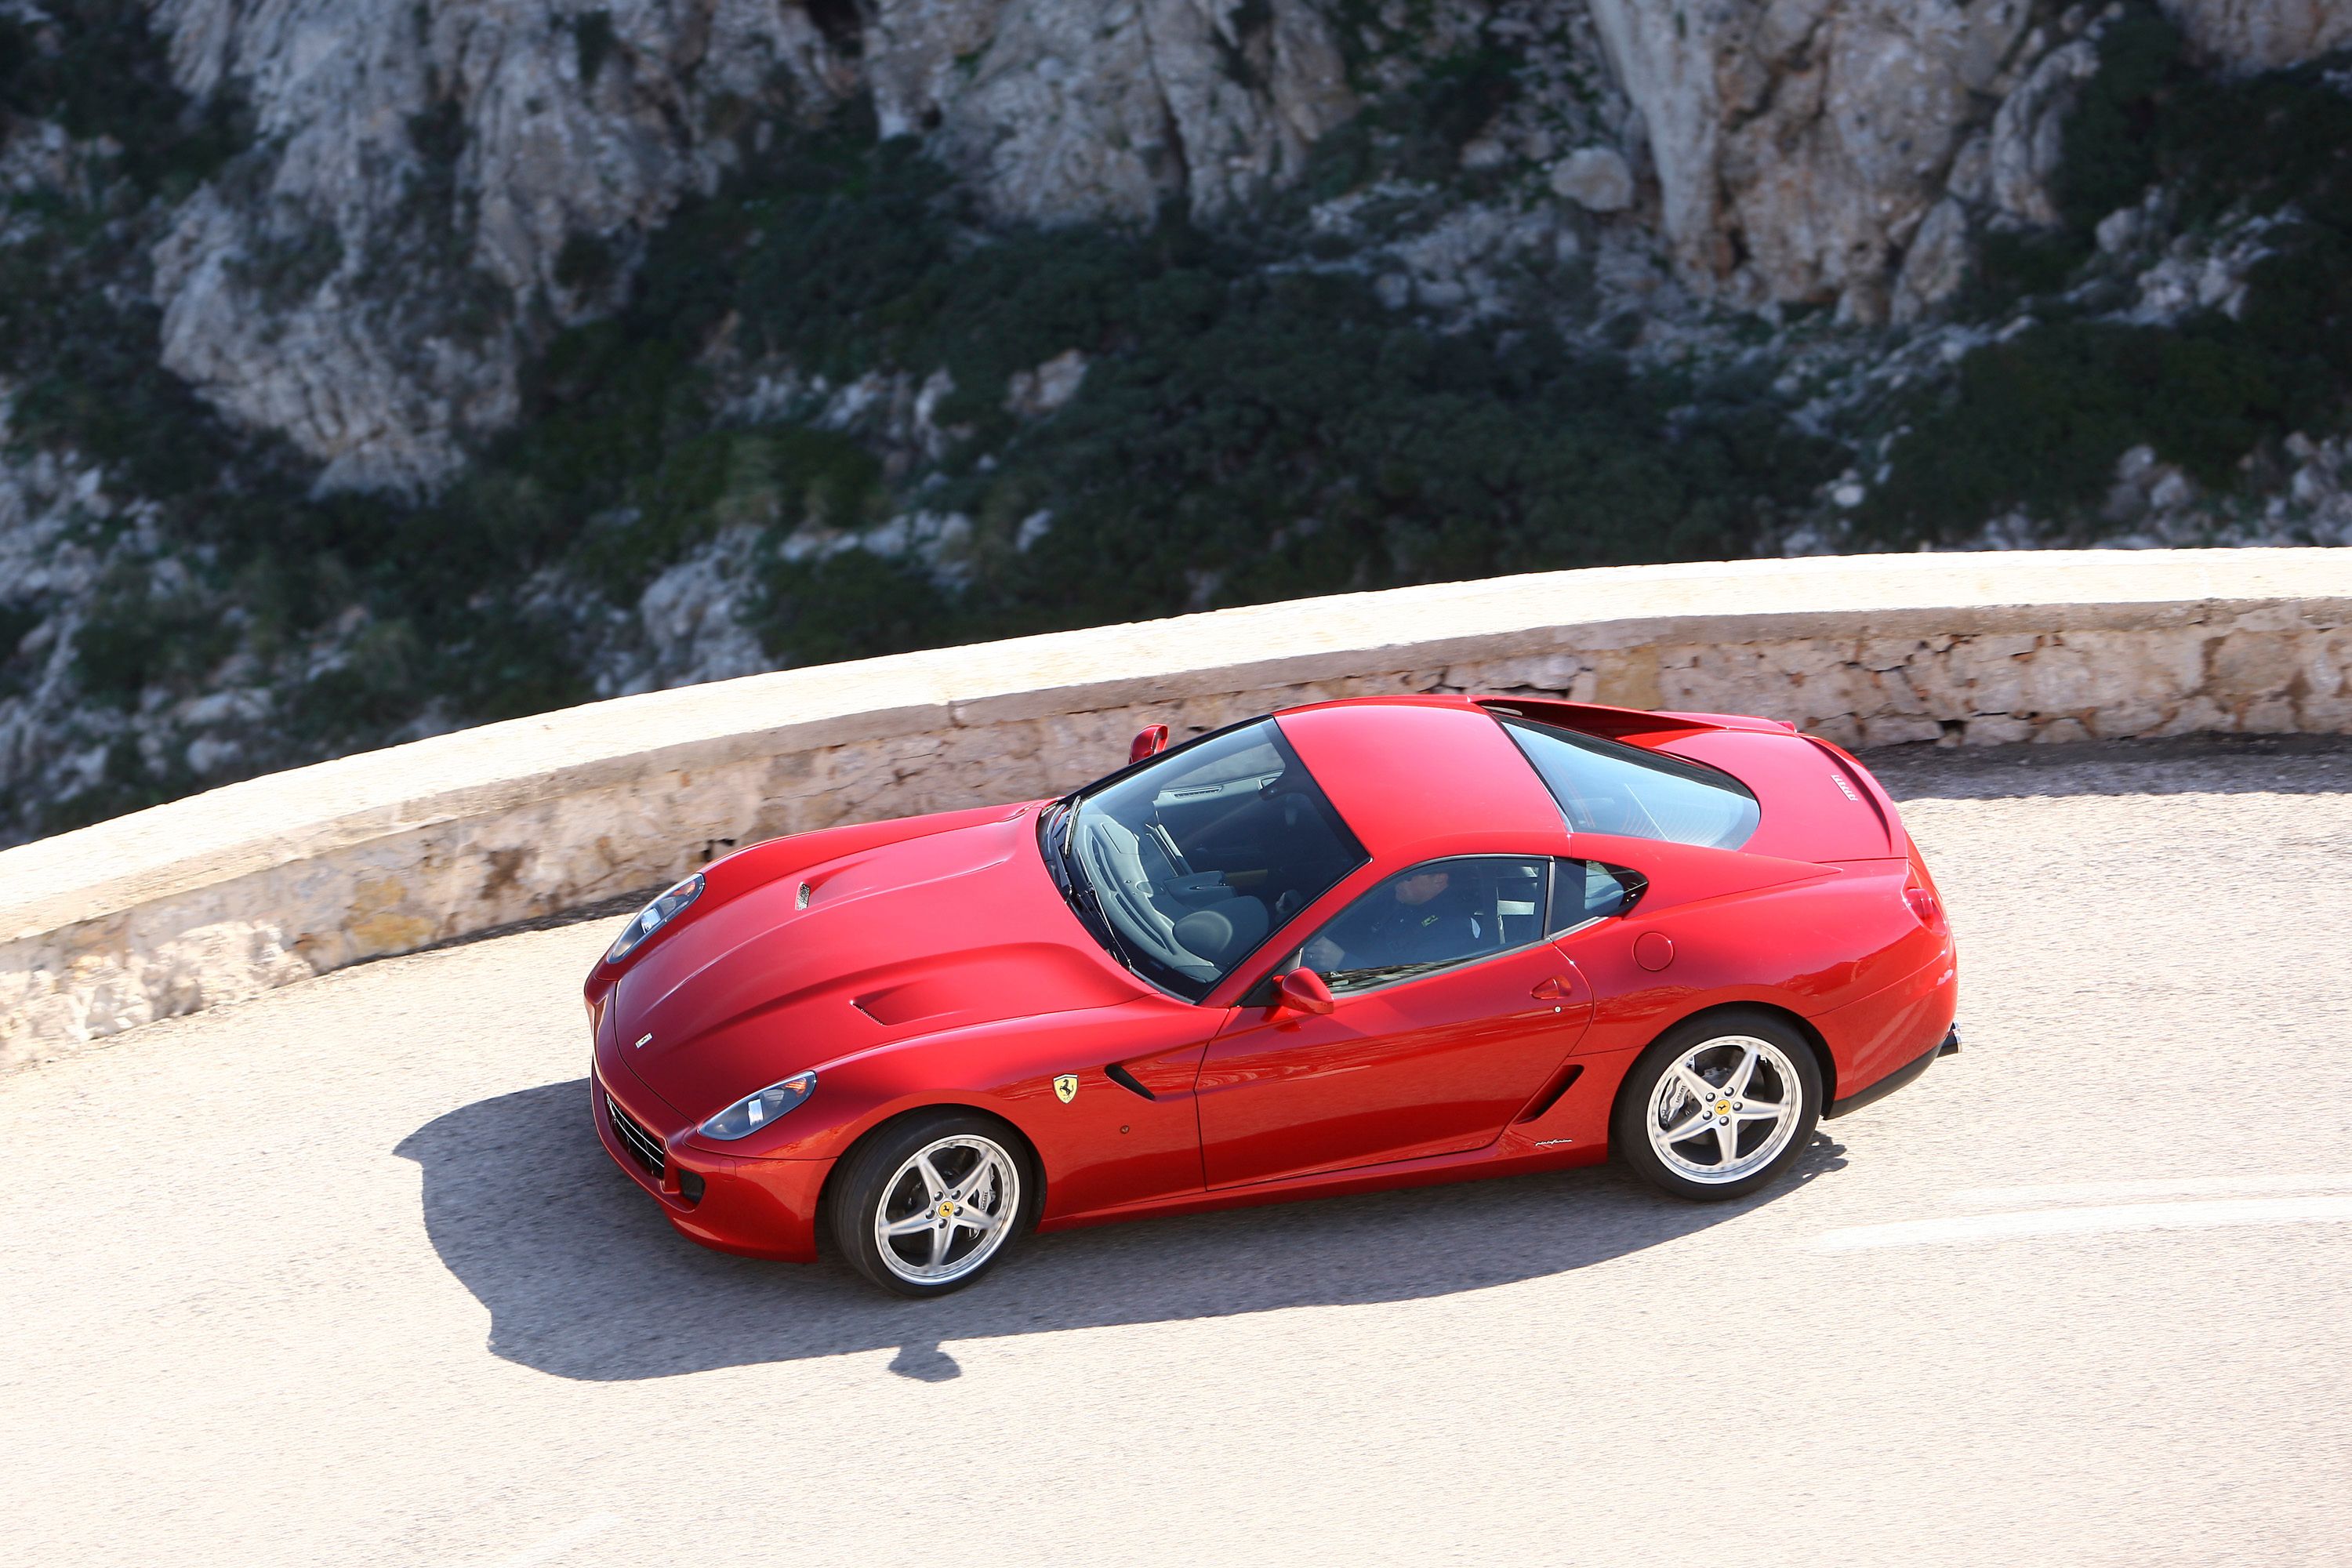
(757, 1208)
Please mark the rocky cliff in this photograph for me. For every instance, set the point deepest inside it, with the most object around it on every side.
(435, 174)
(363, 279)
(1844, 149)
(370, 369)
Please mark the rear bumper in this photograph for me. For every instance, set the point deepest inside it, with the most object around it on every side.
(756, 1208)
(1948, 1045)
(1889, 1038)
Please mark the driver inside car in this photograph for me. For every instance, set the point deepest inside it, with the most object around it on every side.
(1423, 920)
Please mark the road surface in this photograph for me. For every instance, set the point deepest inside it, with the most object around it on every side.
(340, 1276)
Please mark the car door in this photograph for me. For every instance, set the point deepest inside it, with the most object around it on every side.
(1429, 1053)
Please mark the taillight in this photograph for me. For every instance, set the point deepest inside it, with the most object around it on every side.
(1924, 904)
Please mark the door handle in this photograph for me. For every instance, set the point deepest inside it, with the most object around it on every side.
(1552, 989)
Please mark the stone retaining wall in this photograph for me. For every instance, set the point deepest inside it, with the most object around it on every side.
(223, 895)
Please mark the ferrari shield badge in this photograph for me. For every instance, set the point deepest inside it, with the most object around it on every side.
(1065, 1088)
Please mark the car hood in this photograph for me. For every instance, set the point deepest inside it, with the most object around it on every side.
(939, 932)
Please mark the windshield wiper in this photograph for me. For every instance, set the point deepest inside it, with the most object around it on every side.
(1074, 871)
(1078, 890)
(1090, 901)
(1049, 843)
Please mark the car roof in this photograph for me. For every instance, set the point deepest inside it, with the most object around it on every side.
(1406, 771)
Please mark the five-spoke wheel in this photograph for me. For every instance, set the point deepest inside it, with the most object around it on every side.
(1719, 1106)
(928, 1203)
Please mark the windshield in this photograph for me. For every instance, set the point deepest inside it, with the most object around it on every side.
(1192, 859)
(1603, 786)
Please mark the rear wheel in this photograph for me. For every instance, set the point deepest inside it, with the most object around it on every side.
(931, 1202)
(1719, 1106)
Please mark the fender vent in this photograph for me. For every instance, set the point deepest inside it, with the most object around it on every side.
(1550, 1097)
(1128, 1081)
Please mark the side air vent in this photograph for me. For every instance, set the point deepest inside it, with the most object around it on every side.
(1126, 1081)
(1550, 1097)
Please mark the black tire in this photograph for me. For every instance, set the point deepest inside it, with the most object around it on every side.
(1712, 1036)
(877, 1171)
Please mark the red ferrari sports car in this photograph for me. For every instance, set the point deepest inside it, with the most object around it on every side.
(1359, 944)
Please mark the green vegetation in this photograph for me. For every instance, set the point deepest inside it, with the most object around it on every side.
(1415, 132)
(85, 363)
(17, 622)
(2038, 420)
(1259, 428)
(593, 41)
(98, 73)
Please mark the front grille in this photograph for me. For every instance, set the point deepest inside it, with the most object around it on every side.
(642, 1144)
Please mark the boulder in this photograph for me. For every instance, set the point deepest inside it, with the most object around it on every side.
(1800, 143)
(1595, 178)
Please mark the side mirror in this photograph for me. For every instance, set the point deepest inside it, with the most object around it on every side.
(1149, 742)
(1302, 991)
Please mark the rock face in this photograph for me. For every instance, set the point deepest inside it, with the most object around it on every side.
(432, 183)
(428, 180)
(2027, 134)
(356, 280)
(1799, 143)
(421, 175)
(1062, 109)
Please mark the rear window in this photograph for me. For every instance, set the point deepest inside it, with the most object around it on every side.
(1605, 786)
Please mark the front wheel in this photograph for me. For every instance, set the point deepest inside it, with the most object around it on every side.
(930, 1204)
(1719, 1106)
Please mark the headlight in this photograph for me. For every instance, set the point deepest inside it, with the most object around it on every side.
(753, 1112)
(652, 917)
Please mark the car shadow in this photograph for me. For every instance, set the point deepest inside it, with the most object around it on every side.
(584, 1280)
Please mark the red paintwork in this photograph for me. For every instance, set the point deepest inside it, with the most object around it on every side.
(1431, 1067)
(935, 964)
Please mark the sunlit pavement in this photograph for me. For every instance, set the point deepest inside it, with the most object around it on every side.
(342, 1276)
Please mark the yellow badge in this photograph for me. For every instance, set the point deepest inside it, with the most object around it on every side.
(1065, 1088)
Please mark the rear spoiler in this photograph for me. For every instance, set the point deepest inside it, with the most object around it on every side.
(1639, 725)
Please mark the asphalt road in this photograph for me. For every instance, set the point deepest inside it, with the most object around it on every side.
(340, 1276)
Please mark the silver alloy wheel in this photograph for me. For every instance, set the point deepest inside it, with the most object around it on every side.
(947, 1209)
(1725, 1109)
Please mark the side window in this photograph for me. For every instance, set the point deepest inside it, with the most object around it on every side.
(1437, 915)
(1585, 890)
